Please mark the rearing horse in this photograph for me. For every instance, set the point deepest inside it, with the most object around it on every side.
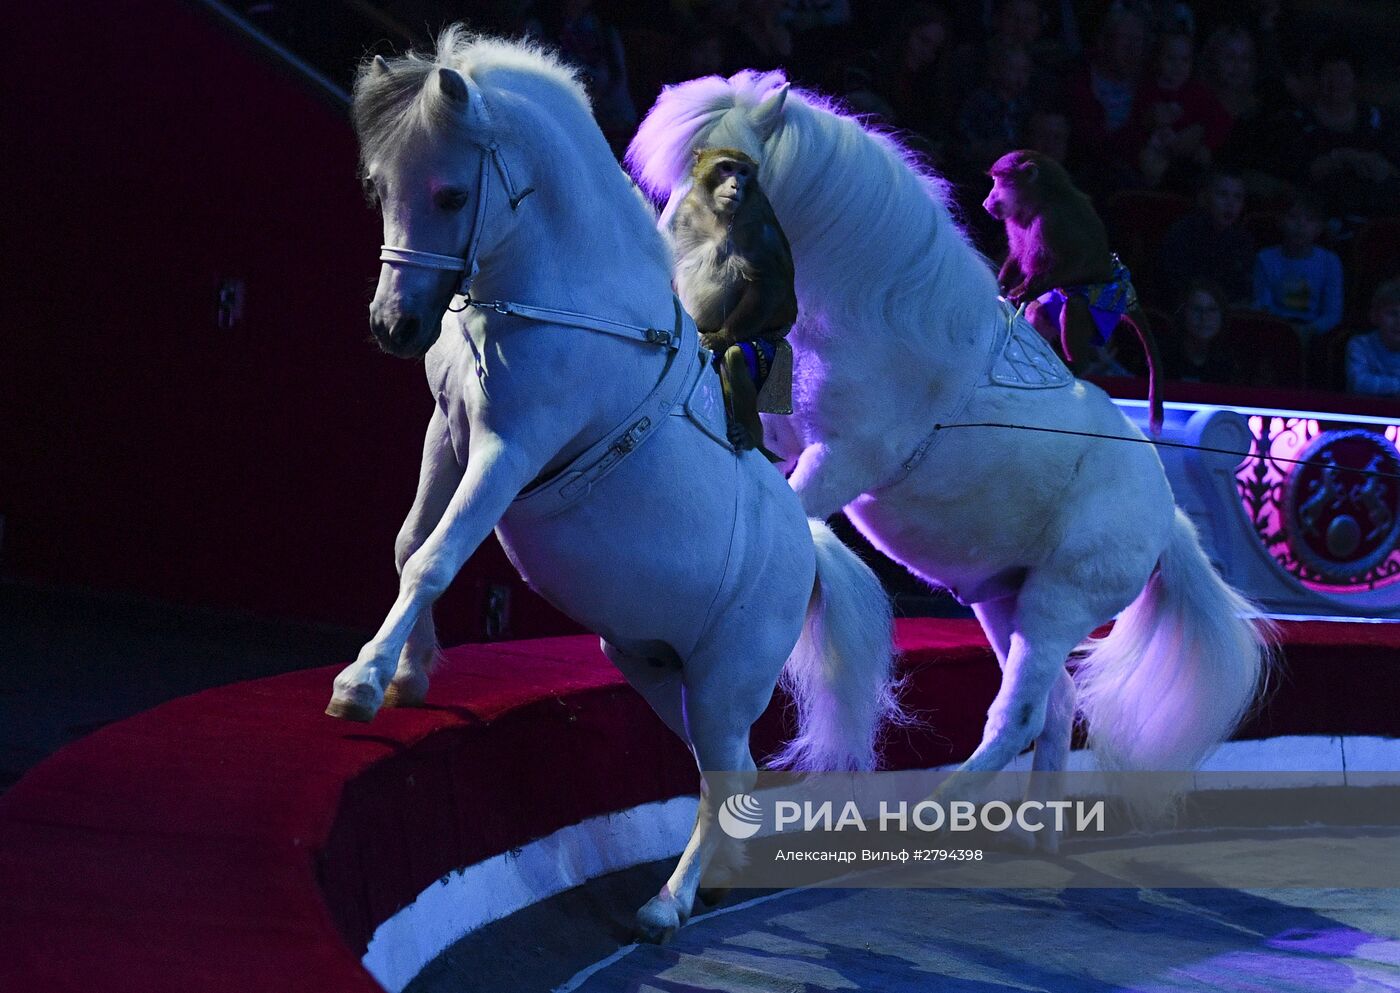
(579, 417)
(901, 337)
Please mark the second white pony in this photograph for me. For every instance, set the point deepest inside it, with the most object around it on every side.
(1046, 536)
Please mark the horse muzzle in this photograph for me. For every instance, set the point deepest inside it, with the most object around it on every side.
(403, 336)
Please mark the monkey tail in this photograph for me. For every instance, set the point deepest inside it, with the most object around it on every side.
(1137, 320)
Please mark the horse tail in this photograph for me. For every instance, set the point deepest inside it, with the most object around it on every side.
(841, 673)
(1181, 668)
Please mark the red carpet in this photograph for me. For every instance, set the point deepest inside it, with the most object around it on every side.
(240, 840)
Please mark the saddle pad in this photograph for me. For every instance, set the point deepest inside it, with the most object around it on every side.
(1026, 361)
(705, 403)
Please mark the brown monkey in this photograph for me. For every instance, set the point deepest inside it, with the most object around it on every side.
(734, 275)
(1059, 264)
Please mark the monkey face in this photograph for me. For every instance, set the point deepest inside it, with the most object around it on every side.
(730, 179)
(725, 175)
(995, 204)
(1011, 175)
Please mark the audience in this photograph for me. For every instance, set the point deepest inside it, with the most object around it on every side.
(1229, 101)
(1373, 360)
(993, 117)
(1210, 242)
(1343, 147)
(1297, 280)
(1196, 353)
(1047, 132)
(585, 40)
(1179, 123)
(1100, 97)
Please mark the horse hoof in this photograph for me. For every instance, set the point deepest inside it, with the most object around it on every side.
(711, 895)
(658, 921)
(410, 692)
(350, 710)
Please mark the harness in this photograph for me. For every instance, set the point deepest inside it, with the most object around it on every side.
(1108, 301)
(1018, 358)
(571, 483)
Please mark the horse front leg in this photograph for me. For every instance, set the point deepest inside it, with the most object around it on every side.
(493, 477)
(438, 478)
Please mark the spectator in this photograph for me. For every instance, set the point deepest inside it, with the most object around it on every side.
(1298, 280)
(1373, 360)
(759, 37)
(1210, 242)
(1100, 99)
(1179, 123)
(701, 52)
(1021, 24)
(1345, 148)
(910, 72)
(1227, 70)
(1196, 354)
(993, 117)
(1047, 132)
(595, 47)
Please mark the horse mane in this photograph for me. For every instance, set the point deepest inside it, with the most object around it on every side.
(386, 106)
(872, 229)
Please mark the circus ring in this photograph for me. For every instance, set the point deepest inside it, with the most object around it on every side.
(238, 839)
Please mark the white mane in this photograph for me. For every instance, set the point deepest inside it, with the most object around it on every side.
(538, 110)
(872, 234)
(388, 104)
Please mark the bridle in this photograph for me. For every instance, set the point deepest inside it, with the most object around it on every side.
(466, 263)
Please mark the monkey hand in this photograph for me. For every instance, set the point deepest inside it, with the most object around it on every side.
(718, 342)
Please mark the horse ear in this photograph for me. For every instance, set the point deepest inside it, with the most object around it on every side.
(379, 67)
(452, 86)
(767, 117)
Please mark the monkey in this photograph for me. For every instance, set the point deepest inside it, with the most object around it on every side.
(1058, 263)
(734, 275)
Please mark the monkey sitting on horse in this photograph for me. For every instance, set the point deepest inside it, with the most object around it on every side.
(734, 274)
(1059, 264)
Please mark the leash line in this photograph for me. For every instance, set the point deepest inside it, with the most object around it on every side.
(1163, 444)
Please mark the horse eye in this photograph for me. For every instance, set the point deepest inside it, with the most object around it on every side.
(451, 199)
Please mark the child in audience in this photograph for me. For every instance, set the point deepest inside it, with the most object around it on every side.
(1298, 280)
(1373, 360)
(1195, 353)
(1179, 122)
(1210, 242)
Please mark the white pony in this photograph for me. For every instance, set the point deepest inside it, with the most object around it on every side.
(1046, 536)
(578, 416)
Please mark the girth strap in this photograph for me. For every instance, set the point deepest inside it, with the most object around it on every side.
(570, 484)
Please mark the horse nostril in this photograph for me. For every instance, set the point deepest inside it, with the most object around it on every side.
(405, 329)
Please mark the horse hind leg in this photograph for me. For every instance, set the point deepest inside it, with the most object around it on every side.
(1052, 745)
(1048, 621)
(656, 675)
(725, 689)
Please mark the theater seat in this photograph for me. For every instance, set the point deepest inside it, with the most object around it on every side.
(1268, 350)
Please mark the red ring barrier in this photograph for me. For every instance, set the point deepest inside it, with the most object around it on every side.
(238, 839)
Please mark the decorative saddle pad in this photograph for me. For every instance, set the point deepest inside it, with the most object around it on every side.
(1026, 361)
(1108, 302)
(770, 368)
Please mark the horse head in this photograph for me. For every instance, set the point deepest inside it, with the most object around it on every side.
(432, 163)
(743, 112)
(748, 127)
